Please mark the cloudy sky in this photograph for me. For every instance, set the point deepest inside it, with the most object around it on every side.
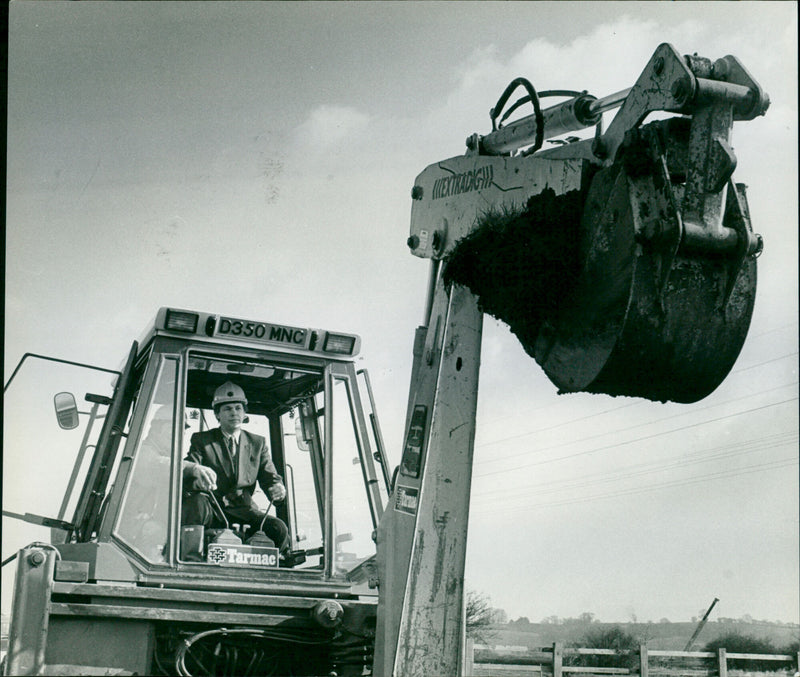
(256, 159)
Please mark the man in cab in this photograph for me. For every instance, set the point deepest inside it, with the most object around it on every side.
(227, 462)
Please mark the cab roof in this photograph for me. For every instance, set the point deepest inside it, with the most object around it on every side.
(232, 331)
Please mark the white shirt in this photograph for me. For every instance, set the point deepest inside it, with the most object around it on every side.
(235, 437)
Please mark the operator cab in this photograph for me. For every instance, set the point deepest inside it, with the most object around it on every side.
(303, 396)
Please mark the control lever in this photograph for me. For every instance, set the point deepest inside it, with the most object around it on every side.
(259, 537)
(226, 535)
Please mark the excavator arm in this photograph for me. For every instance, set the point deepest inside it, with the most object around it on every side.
(624, 263)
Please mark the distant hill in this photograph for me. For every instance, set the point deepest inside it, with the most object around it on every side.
(664, 635)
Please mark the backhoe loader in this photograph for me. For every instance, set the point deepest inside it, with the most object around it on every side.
(625, 263)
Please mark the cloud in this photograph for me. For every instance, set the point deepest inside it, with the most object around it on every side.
(592, 62)
(608, 59)
(438, 127)
(328, 125)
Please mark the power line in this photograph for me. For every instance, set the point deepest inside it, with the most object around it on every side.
(772, 465)
(556, 425)
(639, 402)
(637, 439)
(640, 469)
(618, 430)
(697, 456)
(529, 411)
(773, 330)
(761, 364)
(638, 425)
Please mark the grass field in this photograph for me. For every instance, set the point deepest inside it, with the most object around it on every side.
(664, 636)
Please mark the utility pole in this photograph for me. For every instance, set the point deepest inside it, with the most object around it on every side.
(700, 626)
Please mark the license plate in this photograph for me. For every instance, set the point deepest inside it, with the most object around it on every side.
(261, 332)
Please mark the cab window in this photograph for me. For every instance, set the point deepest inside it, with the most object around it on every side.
(289, 405)
(274, 391)
(353, 526)
(144, 515)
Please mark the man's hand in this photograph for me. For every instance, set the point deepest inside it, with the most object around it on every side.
(205, 479)
(277, 492)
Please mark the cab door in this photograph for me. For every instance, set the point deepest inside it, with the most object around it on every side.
(352, 489)
(149, 468)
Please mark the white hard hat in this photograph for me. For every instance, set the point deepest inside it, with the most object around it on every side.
(228, 392)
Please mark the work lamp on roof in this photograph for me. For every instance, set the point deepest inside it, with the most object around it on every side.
(339, 344)
(181, 321)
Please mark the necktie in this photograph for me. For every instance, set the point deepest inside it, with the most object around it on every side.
(231, 447)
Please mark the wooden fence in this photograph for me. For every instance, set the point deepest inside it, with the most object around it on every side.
(550, 661)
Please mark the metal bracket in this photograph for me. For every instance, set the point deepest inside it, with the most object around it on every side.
(748, 243)
(657, 217)
(660, 225)
(714, 95)
(666, 83)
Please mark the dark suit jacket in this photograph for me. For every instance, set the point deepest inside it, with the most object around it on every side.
(253, 461)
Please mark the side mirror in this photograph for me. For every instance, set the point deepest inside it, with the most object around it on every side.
(66, 410)
(299, 434)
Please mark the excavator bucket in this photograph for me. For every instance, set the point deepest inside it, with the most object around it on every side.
(632, 327)
(639, 279)
(600, 290)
